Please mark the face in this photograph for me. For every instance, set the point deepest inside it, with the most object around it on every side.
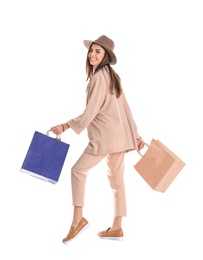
(96, 54)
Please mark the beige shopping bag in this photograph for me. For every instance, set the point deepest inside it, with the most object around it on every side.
(159, 166)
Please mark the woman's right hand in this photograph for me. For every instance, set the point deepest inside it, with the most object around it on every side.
(140, 143)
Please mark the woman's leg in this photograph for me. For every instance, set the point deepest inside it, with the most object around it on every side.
(78, 181)
(115, 175)
(116, 179)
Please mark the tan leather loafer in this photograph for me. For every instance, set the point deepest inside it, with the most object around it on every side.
(75, 231)
(114, 234)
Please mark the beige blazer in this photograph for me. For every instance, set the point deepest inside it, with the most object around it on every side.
(109, 121)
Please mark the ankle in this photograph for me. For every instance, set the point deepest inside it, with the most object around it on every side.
(117, 223)
(77, 215)
(113, 228)
(76, 221)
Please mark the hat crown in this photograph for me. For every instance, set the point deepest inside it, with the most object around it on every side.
(106, 42)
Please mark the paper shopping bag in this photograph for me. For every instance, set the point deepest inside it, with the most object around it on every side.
(159, 166)
(45, 157)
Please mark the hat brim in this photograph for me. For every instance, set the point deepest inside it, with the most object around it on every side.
(113, 61)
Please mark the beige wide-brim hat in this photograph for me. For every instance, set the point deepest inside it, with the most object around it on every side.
(106, 43)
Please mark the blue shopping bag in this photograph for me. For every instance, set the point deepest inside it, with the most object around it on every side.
(45, 157)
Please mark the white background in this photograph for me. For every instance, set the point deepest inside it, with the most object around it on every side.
(43, 82)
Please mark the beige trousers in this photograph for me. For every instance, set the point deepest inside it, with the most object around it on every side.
(115, 164)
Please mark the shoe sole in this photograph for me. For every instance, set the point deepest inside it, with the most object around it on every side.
(81, 231)
(112, 238)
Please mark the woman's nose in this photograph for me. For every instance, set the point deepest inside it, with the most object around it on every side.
(92, 54)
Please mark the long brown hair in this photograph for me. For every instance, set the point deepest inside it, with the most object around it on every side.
(115, 85)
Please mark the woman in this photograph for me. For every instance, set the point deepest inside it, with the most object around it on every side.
(111, 131)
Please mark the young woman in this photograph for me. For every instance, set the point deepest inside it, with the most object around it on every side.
(111, 131)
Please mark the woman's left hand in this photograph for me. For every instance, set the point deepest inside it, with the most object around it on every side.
(57, 130)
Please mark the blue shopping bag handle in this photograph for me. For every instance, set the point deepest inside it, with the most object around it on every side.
(58, 137)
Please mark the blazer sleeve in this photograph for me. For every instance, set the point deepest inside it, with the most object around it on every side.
(96, 94)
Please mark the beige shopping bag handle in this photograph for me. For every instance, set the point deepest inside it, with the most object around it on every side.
(58, 137)
(140, 152)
